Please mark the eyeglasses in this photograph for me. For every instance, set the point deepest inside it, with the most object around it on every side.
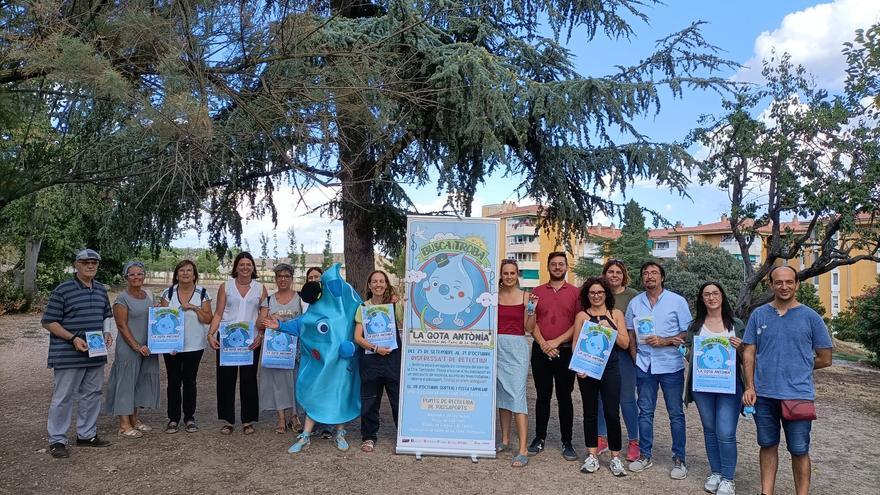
(710, 295)
(88, 262)
(283, 276)
(597, 293)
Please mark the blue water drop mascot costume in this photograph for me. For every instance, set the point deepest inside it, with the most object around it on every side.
(328, 385)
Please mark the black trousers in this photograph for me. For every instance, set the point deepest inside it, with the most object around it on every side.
(182, 368)
(609, 387)
(546, 372)
(378, 373)
(248, 394)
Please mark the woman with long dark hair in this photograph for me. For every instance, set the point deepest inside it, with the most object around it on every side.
(379, 366)
(597, 306)
(183, 367)
(719, 413)
(239, 299)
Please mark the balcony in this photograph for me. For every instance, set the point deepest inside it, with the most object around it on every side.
(525, 247)
(529, 265)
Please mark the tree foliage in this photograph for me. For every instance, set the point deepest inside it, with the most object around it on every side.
(327, 253)
(632, 245)
(188, 107)
(787, 150)
(860, 322)
(699, 263)
(808, 295)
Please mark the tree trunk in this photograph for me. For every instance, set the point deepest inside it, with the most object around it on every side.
(357, 225)
(29, 277)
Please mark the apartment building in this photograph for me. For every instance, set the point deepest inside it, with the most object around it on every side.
(519, 240)
(835, 288)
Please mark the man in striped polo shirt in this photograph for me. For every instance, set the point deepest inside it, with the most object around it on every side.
(76, 306)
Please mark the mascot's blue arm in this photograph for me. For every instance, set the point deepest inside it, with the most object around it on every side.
(293, 327)
(346, 349)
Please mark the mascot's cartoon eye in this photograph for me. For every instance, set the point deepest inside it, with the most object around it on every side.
(323, 327)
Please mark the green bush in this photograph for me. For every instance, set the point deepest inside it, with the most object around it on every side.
(12, 299)
(867, 322)
(843, 326)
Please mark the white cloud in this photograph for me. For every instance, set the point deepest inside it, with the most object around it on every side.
(814, 38)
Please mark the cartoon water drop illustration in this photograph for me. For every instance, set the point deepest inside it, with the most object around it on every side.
(236, 338)
(166, 324)
(280, 342)
(449, 289)
(96, 341)
(714, 357)
(378, 323)
(595, 344)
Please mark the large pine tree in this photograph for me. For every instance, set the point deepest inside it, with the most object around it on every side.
(190, 107)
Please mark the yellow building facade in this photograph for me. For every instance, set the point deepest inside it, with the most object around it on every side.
(519, 240)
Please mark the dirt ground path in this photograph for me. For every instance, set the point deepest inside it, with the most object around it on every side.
(843, 448)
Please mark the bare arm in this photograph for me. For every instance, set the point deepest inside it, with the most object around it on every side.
(823, 359)
(218, 315)
(204, 313)
(749, 374)
(622, 336)
(57, 330)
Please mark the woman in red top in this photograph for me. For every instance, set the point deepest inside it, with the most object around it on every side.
(513, 360)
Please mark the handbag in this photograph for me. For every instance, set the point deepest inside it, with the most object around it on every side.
(798, 410)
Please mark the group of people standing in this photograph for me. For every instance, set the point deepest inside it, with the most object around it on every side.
(776, 353)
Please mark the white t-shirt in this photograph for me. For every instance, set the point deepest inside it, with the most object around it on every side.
(705, 332)
(194, 332)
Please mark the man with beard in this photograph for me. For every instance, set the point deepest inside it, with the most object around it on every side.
(557, 305)
(784, 342)
(660, 319)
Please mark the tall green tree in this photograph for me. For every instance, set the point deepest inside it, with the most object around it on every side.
(302, 260)
(632, 245)
(264, 249)
(699, 263)
(327, 252)
(354, 96)
(805, 155)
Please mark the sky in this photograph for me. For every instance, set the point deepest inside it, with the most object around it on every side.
(747, 31)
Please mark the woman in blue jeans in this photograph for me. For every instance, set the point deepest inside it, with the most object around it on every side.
(617, 276)
(719, 412)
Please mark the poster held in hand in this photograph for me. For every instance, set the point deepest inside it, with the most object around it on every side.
(714, 365)
(165, 331)
(96, 343)
(644, 327)
(380, 328)
(592, 350)
(279, 350)
(234, 341)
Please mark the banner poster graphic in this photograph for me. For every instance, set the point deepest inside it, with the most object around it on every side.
(165, 331)
(714, 365)
(593, 349)
(234, 341)
(447, 403)
(95, 341)
(380, 328)
(279, 350)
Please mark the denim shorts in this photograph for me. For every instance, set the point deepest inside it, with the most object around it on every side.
(768, 418)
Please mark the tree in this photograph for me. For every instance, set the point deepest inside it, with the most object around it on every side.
(586, 268)
(264, 249)
(302, 260)
(275, 247)
(328, 252)
(355, 96)
(860, 322)
(292, 254)
(699, 263)
(632, 245)
(810, 158)
(808, 295)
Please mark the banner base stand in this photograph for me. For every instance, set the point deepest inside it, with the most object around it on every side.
(474, 458)
(420, 453)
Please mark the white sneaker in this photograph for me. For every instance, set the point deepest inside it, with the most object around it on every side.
(726, 487)
(679, 470)
(616, 467)
(591, 464)
(712, 482)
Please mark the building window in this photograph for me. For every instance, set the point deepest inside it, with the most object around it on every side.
(661, 245)
(835, 280)
(520, 239)
(835, 305)
(521, 256)
(529, 274)
(517, 222)
(690, 239)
